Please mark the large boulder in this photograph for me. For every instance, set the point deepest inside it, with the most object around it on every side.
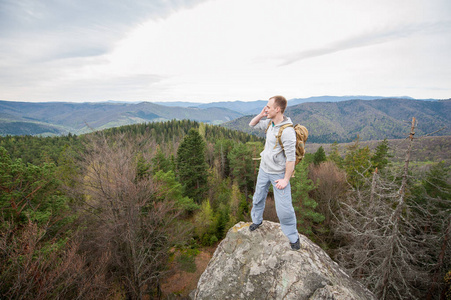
(261, 265)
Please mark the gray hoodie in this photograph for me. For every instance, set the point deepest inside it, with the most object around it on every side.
(273, 160)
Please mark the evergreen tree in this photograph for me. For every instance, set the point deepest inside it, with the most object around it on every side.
(222, 150)
(142, 167)
(171, 190)
(242, 167)
(433, 197)
(161, 163)
(334, 155)
(380, 157)
(357, 164)
(319, 156)
(191, 165)
(222, 219)
(307, 217)
(29, 192)
(238, 206)
(33, 233)
(436, 182)
(206, 224)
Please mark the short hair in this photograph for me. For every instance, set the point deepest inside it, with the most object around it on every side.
(280, 101)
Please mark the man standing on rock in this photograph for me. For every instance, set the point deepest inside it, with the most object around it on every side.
(276, 167)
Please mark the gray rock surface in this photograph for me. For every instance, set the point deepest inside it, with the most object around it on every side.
(261, 265)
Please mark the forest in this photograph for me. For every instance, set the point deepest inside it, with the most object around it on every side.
(103, 215)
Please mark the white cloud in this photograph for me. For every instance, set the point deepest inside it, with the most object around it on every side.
(374, 37)
(232, 49)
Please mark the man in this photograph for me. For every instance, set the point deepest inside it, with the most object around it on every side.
(276, 167)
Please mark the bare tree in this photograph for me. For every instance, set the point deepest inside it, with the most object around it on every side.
(385, 244)
(123, 216)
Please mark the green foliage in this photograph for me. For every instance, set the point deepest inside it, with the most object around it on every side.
(357, 164)
(222, 218)
(205, 224)
(187, 260)
(37, 150)
(33, 168)
(175, 130)
(28, 128)
(218, 190)
(29, 192)
(222, 150)
(308, 158)
(436, 182)
(191, 165)
(335, 155)
(432, 196)
(67, 166)
(162, 163)
(380, 157)
(142, 166)
(213, 222)
(33, 220)
(171, 189)
(319, 156)
(241, 166)
(239, 208)
(232, 210)
(308, 218)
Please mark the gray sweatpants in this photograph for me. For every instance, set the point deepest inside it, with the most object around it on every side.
(284, 206)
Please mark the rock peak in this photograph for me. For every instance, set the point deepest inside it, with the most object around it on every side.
(261, 265)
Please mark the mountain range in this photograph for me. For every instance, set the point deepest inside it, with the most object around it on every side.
(54, 118)
(330, 122)
(328, 118)
(254, 107)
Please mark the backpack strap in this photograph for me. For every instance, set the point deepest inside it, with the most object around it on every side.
(269, 124)
(279, 135)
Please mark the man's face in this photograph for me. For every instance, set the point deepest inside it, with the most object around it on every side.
(271, 109)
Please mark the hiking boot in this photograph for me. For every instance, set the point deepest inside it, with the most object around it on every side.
(296, 245)
(254, 226)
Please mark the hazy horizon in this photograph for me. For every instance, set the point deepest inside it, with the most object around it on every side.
(219, 101)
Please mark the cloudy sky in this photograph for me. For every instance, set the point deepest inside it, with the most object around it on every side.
(223, 50)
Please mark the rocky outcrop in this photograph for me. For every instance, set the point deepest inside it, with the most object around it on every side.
(261, 265)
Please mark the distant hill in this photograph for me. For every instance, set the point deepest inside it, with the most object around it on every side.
(370, 120)
(329, 118)
(50, 118)
(254, 107)
(336, 99)
(239, 106)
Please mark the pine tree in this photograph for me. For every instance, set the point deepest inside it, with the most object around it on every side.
(171, 190)
(161, 163)
(191, 165)
(335, 155)
(319, 156)
(357, 164)
(222, 150)
(205, 224)
(380, 157)
(308, 218)
(242, 167)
